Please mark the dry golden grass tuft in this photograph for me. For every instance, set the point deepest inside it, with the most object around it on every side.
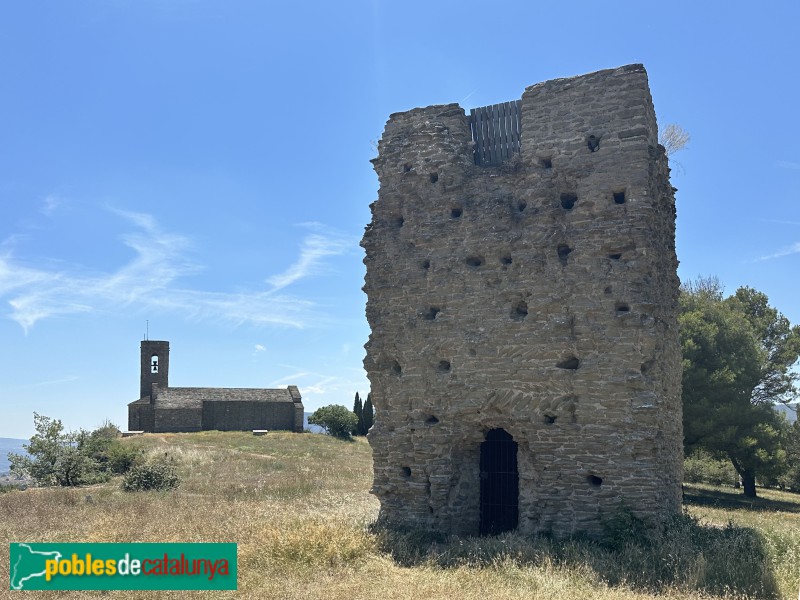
(299, 509)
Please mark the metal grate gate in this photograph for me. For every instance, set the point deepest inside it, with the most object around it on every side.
(499, 483)
(495, 131)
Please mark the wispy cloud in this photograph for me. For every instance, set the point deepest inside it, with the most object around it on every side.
(325, 385)
(292, 378)
(787, 164)
(61, 381)
(320, 384)
(329, 384)
(50, 204)
(316, 247)
(149, 283)
(14, 276)
(793, 249)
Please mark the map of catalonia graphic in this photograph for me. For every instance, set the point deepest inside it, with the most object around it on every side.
(29, 564)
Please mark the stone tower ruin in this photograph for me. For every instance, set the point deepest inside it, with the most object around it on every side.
(522, 293)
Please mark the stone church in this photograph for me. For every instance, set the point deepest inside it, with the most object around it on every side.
(161, 408)
(522, 296)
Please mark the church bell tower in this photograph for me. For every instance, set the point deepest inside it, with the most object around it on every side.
(154, 366)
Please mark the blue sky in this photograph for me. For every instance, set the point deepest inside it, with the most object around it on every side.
(205, 166)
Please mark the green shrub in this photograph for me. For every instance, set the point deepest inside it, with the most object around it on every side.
(336, 420)
(12, 487)
(157, 475)
(702, 467)
(107, 430)
(121, 457)
(624, 528)
(55, 457)
(69, 458)
(110, 455)
(790, 479)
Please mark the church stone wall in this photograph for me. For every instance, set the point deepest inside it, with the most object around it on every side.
(243, 415)
(540, 297)
(141, 417)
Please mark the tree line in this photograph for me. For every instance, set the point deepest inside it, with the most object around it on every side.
(364, 413)
(339, 422)
(739, 354)
(56, 457)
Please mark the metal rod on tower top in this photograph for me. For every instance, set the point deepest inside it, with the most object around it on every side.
(147, 330)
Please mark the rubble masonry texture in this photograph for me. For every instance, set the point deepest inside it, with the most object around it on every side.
(540, 297)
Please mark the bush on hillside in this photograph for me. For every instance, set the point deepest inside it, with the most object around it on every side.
(156, 475)
(110, 455)
(121, 458)
(67, 458)
(336, 420)
(702, 467)
(54, 456)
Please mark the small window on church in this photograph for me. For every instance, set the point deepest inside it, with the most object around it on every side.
(154, 364)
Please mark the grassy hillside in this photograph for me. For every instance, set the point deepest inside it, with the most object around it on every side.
(299, 508)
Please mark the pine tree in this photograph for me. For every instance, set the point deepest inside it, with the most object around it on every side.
(738, 354)
(358, 411)
(368, 413)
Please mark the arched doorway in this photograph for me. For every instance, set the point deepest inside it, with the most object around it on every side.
(499, 483)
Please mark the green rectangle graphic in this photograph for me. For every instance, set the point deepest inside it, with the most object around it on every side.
(145, 566)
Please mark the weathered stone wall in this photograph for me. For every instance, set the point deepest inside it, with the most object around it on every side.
(177, 420)
(539, 297)
(140, 416)
(243, 415)
(299, 415)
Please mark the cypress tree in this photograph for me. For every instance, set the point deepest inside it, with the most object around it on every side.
(368, 413)
(358, 410)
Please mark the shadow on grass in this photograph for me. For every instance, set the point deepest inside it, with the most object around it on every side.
(734, 499)
(687, 556)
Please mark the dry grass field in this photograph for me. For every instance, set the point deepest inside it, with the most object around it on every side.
(299, 509)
